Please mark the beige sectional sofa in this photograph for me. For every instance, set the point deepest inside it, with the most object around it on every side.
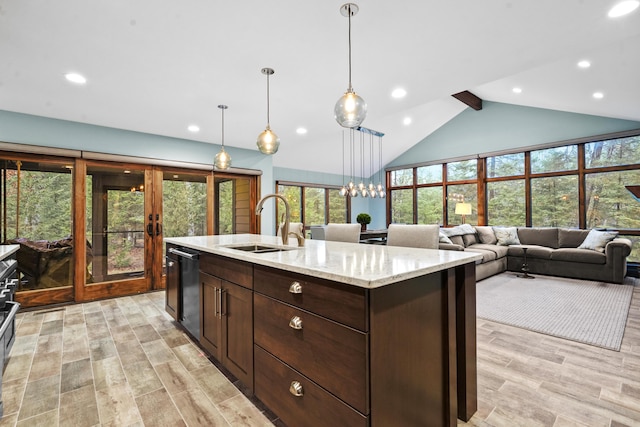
(550, 250)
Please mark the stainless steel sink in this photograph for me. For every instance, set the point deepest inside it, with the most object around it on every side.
(259, 249)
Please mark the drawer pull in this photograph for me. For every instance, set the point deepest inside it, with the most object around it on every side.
(295, 322)
(296, 389)
(295, 288)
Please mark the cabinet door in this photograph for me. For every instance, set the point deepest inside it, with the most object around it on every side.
(172, 291)
(237, 315)
(210, 317)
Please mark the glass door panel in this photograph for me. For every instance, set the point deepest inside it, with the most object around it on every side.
(115, 223)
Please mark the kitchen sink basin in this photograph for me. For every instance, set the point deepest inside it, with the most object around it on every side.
(259, 249)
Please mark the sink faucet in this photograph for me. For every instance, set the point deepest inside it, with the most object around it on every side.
(287, 217)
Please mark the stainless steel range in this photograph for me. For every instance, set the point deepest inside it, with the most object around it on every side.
(8, 310)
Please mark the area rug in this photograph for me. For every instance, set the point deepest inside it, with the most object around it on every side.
(589, 312)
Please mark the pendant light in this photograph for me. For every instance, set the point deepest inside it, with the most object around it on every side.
(350, 110)
(223, 159)
(268, 142)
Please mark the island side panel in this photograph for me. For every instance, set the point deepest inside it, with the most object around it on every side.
(465, 277)
(411, 368)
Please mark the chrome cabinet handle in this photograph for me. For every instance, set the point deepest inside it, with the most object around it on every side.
(295, 288)
(295, 322)
(296, 389)
(215, 302)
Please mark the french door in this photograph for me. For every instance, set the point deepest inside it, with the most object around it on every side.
(124, 211)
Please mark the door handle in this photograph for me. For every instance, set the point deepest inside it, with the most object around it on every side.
(150, 229)
(158, 229)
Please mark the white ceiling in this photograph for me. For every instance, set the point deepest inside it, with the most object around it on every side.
(157, 66)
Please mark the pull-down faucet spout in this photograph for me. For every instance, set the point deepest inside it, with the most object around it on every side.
(287, 217)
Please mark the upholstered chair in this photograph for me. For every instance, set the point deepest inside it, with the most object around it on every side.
(413, 235)
(343, 232)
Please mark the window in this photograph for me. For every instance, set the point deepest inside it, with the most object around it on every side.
(613, 152)
(429, 174)
(430, 205)
(554, 201)
(401, 177)
(313, 204)
(460, 171)
(506, 165)
(506, 203)
(402, 206)
(608, 203)
(463, 193)
(555, 159)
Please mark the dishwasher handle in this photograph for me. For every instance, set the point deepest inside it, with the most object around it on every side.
(182, 253)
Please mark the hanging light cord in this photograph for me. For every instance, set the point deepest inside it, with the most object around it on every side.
(349, 11)
(343, 157)
(222, 128)
(268, 125)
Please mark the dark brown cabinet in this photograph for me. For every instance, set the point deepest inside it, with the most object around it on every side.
(172, 287)
(227, 315)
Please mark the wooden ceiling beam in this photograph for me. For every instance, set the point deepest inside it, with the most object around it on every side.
(470, 99)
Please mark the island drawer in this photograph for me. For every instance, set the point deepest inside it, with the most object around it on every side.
(306, 406)
(231, 270)
(342, 303)
(328, 353)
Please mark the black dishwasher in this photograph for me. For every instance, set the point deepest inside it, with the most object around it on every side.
(189, 290)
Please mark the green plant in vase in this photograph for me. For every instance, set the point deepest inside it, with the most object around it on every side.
(363, 219)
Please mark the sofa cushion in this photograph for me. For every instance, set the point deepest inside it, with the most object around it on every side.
(500, 251)
(596, 240)
(487, 255)
(571, 237)
(459, 230)
(579, 255)
(442, 238)
(450, 247)
(507, 235)
(469, 239)
(486, 235)
(533, 251)
(457, 240)
(540, 236)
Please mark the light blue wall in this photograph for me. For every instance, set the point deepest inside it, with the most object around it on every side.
(374, 207)
(46, 132)
(504, 126)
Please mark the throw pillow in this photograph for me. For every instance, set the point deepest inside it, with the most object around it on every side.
(507, 236)
(444, 239)
(596, 240)
(486, 235)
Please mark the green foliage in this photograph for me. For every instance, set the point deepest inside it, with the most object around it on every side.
(363, 218)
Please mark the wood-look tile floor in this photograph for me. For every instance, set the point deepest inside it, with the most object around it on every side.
(124, 362)
(531, 379)
(117, 362)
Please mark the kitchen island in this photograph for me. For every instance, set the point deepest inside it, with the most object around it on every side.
(337, 333)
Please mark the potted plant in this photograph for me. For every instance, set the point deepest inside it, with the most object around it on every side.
(363, 219)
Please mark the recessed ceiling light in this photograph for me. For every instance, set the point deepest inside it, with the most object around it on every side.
(301, 131)
(598, 95)
(194, 128)
(623, 8)
(516, 90)
(127, 171)
(407, 121)
(76, 78)
(399, 93)
(584, 64)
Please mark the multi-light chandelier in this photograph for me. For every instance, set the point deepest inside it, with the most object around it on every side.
(352, 189)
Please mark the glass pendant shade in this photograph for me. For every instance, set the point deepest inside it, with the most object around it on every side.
(344, 191)
(373, 194)
(350, 110)
(222, 160)
(353, 192)
(268, 142)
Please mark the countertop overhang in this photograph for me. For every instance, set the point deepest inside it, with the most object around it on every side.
(363, 265)
(6, 250)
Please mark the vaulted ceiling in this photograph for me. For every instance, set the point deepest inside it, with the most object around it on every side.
(158, 66)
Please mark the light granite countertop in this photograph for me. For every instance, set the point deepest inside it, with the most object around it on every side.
(6, 250)
(364, 265)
